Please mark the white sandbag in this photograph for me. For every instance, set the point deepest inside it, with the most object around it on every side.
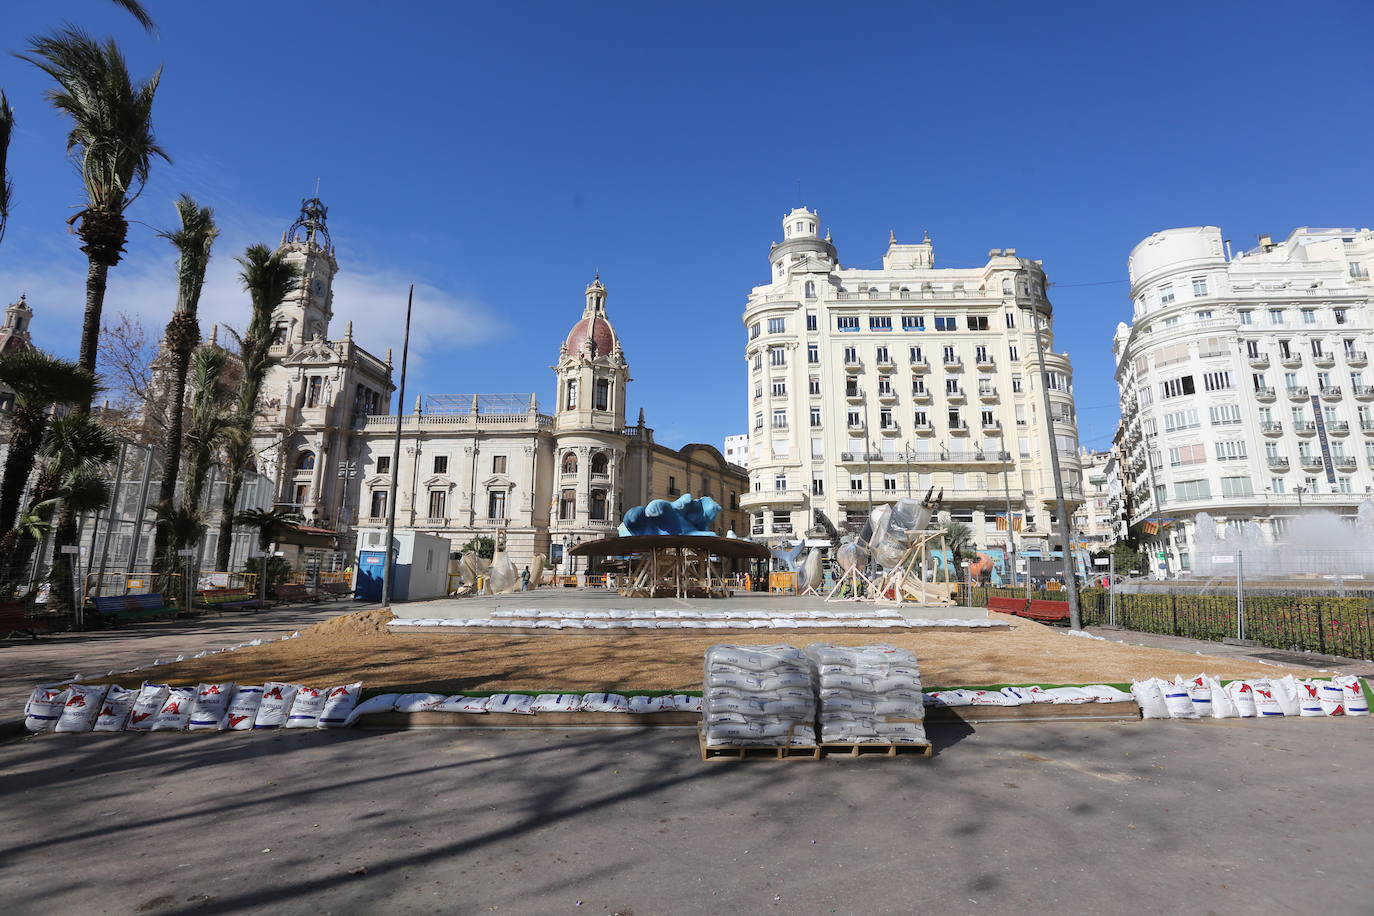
(243, 709)
(756, 658)
(557, 702)
(385, 702)
(1266, 704)
(681, 702)
(305, 708)
(644, 705)
(275, 705)
(175, 711)
(950, 698)
(44, 708)
(1243, 697)
(418, 702)
(115, 709)
(1149, 694)
(80, 709)
(458, 703)
(909, 732)
(1222, 705)
(1021, 695)
(1353, 693)
(146, 705)
(1071, 695)
(1309, 698)
(992, 698)
(210, 707)
(517, 703)
(338, 704)
(1200, 692)
(1177, 700)
(605, 702)
(1332, 698)
(1106, 693)
(1286, 693)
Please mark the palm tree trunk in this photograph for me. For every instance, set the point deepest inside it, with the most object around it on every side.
(96, 275)
(182, 334)
(63, 596)
(27, 435)
(232, 486)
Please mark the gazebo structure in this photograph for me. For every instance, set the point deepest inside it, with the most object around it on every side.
(673, 565)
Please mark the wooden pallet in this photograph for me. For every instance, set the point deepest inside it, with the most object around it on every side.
(756, 752)
(876, 750)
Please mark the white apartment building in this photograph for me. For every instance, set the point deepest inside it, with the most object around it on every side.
(866, 385)
(1245, 387)
(1094, 523)
(736, 449)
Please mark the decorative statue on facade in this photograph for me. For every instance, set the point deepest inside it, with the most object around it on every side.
(683, 515)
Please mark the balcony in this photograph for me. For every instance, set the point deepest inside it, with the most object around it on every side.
(854, 395)
(1363, 392)
(923, 429)
(1344, 463)
(1324, 360)
(1297, 392)
(921, 397)
(856, 427)
(988, 394)
(1260, 361)
(1367, 427)
(992, 426)
(857, 457)
(1311, 462)
(959, 428)
(957, 396)
(1265, 394)
(985, 361)
(887, 396)
(886, 363)
(953, 364)
(1271, 428)
(1356, 358)
(1338, 428)
(1291, 361)
(1278, 464)
(1330, 392)
(920, 365)
(1304, 427)
(760, 498)
(853, 363)
(892, 429)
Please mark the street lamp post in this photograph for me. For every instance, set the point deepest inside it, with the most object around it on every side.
(1300, 491)
(1075, 616)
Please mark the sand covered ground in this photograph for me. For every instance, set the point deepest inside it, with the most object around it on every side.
(358, 646)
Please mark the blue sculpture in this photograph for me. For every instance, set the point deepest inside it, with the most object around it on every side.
(683, 515)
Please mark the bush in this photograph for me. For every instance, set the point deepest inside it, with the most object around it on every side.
(278, 570)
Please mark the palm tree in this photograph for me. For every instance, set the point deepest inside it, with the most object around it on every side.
(112, 142)
(270, 524)
(958, 538)
(185, 525)
(136, 10)
(39, 383)
(269, 279)
(192, 242)
(208, 420)
(6, 186)
(78, 449)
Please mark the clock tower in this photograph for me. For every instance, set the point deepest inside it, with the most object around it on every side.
(305, 314)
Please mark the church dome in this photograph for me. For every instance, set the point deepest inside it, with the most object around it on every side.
(592, 335)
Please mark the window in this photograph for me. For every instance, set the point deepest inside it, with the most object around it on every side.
(1011, 319)
(813, 353)
(847, 322)
(758, 361)
(882, 355)
(378, 503)
(779, 387)
(305, 461)
(758, 390)
(601, 394)
(1187, 454)
(1279, 486)
(758, 421)
(313, 391)
(1339, 315)
(817, 484)
(601, 464)
(885, 418)
(672, 485)
(383, 464)
(1058, 381)
(498, 464)
(815, 417)
(1177, 387)
(853, 419)
(1317, 347)
(1193, 489)
(753, 330)
(1016, 384)
(917, 355)
(1225, 414)
(851, 386)
(889, 483)
(1216, 381)
(980, 354)
(811, 294)
(1309, 316)
(884, 384)
(920, 418)
(1252, 350)
(570, 462)
(1013, 353)
(1199, 286)
(279, 334)
(851, 356)
(1276, 316)
(880, 322)
(946, 323)
(780, 419)
(437, 499)
(918, 384)
(1166, 293)
(777, 356)
(571, 403)
(1204, 314)
(756, 523)
(817, 448)
(874, 293)
(1343, 485)
(955, 420)
(913, 322)
(1020, 414)
(988, 420)
(1246, 316)
(1231, 450)
(856, 484)
(597, 506)
(777, 325)
(977, 322)
(950, 355)
(567, 504)
(813, 385)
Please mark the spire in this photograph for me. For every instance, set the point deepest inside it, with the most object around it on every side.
(214, 335)
(891, 237)
(310, 227)
(348, 331)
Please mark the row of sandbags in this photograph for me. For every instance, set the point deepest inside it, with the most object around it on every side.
(205, 707)
(867, 695)
(1021, 696)
(642, 614)
(758, 696)
(761, 623)
(523, 704)
(1206, 697)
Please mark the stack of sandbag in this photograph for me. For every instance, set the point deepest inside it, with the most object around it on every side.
(1203, 696)
(758, 696)
(868, 695)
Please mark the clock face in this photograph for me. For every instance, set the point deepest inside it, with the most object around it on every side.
(317, 287)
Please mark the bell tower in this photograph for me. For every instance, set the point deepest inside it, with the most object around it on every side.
(592, 372)
(306, 313)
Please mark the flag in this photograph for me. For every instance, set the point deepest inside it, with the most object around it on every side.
(1001, 523)
(1150, 528)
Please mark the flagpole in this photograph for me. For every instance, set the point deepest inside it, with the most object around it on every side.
(387, 571)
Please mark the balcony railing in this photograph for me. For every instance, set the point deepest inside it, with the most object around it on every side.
(1338, 427)
(1324, 360)
(1259, 362)
(1304, 427)
(1265, 394)
(1362, 391)
(1297, 392)
(1271, 428)
(1278, 464)
(1331, 391)
(1291, 361)
(1356, 358)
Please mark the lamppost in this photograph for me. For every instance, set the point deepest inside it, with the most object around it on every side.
(907, 456)
(1061, 515)
(1300, 491)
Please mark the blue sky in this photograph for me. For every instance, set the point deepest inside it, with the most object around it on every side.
(497, 154)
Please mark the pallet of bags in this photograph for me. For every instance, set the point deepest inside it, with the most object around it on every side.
(869, 700)
(757, 701)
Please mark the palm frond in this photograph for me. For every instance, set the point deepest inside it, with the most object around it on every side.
(269, 523)
(136, 10)
(40, 380)
(6, 186)
(111, 137)
(185, 524)
(85, 490)
(193, 241)
(79, 442)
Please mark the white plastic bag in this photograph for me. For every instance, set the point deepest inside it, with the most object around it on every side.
(81, 708)
(305, 708)
(338, 704)
(176, 710)
(1266, 704)
(1199, 691)
(460, 703)
(44, 708)
(1286, 693)
(243, 709)
(517, 703)
(419, 702)
(146, 705)
(557, 702)
(1309, 698)
(1243, 698)
(681, 702)
(1106, 693)
(1355, 702)
(115, 709)
(277, 698)
(1222, 705)
(605, 702)
(1332, 698)
(1070, 695)
(210, 707)
(1150, 695)
(384, 702)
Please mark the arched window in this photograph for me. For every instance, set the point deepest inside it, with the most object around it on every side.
(601, 395)
(598, 505)
(873, 292)
(601, 464)
(567, 504)
(279, 334)
(1006, 286)
(569, 462)
(305, 461)
(571, 403)
(811, 289)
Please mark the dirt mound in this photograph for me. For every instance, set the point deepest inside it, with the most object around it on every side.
(360, 625)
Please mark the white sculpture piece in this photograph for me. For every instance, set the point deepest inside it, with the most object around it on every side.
(502, 578)
(811, 573)
(537, 571)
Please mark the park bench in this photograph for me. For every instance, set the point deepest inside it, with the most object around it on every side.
(1007, 605)
(1047, 611)
(116, 608)
(336, 588)
(229, 598)
(15, 618)
(294, 593)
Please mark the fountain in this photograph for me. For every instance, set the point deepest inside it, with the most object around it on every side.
(1317, 544)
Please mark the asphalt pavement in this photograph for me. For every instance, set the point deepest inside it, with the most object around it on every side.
(1224, 816)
